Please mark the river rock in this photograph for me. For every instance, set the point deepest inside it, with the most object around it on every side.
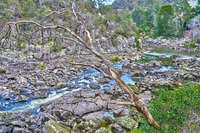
(102, 80)
(21, 98)
(138, 73)
(116, 128)
(61, 85)
(155, 64)
(55, 127)
(20, 130)
(6, 129)
(127, 123)
(5, 94)
(95, 86)
(103, 130)
(146, 96)
(18, 123)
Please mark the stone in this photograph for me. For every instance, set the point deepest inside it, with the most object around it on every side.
(60, 85)
(18, 123)
(127, 123)
(20, 130)
(116, 128)
(21, 98)
(5, 94)
(5, 129)
(55, 127)
(102, 80)
(146, 96)
(103, 130)
(40, 83)
(95, 86)
(38, 55)
(65, 115)
(138, 73)
(86, 107)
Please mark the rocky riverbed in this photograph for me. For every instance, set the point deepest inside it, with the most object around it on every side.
(49, 94)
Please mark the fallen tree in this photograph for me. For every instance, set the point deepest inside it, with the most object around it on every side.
(84, 39)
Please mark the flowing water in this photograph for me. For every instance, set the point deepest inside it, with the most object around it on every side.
(82, 80)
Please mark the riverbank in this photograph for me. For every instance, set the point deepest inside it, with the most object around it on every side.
(37, 95)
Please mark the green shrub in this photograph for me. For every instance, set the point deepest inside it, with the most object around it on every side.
(26, 52)
(171, 108)
(137, 37)
(103, 28)
(190, 44)
(56, 48)
(115, 59)
(164, 18)
(2, 70)
(42, 65)
(198, 40)
(137, 131)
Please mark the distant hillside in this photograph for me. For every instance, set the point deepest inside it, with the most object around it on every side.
(122, 4)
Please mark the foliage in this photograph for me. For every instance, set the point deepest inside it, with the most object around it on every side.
(198, 40)
(2, 70)
(171, 108)
(196, 10)
(137, 131)
(125, 24)
(143, 18)
(26, 52)
(115, 59)
(138, 45)
(164, 26)
(29, 8)
(165, 60)
(56, 48)
(42, 65)
(190, 44)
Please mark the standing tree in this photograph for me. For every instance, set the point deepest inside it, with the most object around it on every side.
(164, 17)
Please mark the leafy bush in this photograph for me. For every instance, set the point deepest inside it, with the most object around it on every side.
(42, 65)
(56, 48)
(137, 37)
(164, 17)
(143, 18)
(26, 52)
(115, 59)
(190, 44)
(2, 70)
(137, 131)
(171, 108)
(198, 40)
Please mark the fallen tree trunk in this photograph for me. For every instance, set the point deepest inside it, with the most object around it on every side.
(136, 101)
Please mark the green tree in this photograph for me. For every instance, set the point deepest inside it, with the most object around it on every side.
(143, 17)
(164, 26)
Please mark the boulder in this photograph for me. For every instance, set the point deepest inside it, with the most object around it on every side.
(95, 86)
(127, 123)
(55, 127)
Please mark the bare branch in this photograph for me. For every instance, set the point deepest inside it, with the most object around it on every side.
(123, 103)
(55, 12)
(73, 10)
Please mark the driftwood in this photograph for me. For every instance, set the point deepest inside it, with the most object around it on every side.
(111, 73)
